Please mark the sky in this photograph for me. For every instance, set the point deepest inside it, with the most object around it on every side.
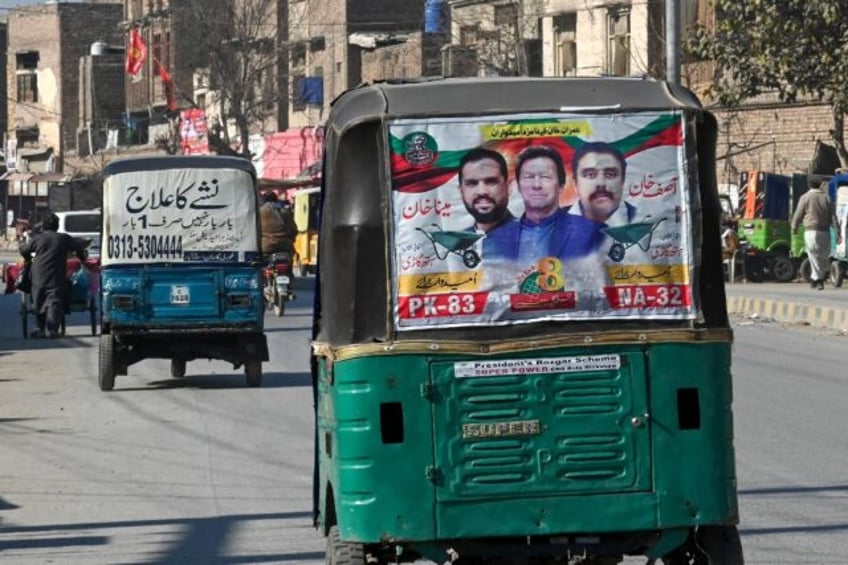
(5, 5)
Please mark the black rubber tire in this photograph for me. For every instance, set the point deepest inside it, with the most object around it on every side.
(253, 372)
(721, 544)
(805, 270)
(783, 269)
(837, 273)
(279, 304)
(106, 370)
(339, 553)
(178, 368)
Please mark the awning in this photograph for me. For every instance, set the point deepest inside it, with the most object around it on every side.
(50, 177)
(14, 175)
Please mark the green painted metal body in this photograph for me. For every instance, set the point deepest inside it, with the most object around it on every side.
(611, 455)
(774, 236)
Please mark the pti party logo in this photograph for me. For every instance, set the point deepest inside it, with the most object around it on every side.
(420, 149)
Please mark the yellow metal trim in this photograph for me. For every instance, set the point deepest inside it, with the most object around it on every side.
(436, 346)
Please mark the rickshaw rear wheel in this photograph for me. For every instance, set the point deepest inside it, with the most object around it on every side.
(339, 553)
(253, 372)
(106, 373)
(721, 544)
(710, 544)
(178, 368)
(783, 269)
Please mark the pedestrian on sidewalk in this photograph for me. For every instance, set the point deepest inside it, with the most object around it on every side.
(817, 214)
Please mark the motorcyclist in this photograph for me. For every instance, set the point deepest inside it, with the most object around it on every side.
(48, 252)
(278, 227)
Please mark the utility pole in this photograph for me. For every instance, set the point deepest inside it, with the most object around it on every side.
(672, 41)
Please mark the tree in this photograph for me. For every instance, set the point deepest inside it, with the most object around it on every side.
(245, 62)
(796, 48)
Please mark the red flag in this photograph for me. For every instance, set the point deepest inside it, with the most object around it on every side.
(136, 53)
(168, 83)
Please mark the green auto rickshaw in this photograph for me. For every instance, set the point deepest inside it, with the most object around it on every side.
(521, 350)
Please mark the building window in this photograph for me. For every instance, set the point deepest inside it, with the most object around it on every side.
(316, 44)
(468, 35)
(565, 45)
(26, 71)
(618, 43)
(506, 15)
(298, 55)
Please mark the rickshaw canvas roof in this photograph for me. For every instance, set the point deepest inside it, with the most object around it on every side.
(470, 96)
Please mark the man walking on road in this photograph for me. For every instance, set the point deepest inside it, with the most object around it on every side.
(817, 213)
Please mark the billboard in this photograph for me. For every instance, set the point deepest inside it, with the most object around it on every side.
(522, 218)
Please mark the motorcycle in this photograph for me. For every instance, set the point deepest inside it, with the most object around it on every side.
(277, 282)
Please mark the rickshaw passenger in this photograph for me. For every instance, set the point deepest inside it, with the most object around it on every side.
(278, 227)
(49, 274)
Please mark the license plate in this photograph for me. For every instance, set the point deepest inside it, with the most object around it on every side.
(281, 279)
(180, 295)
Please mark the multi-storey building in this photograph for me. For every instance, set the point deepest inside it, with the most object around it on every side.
(327, 39)
(45, 45)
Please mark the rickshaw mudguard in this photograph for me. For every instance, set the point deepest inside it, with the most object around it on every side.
(366, 420)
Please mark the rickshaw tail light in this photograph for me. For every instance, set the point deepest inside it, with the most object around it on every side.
(239, 300)
(123, 302)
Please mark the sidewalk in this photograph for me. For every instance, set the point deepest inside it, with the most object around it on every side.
(793, 302)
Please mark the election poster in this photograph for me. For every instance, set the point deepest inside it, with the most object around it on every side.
(521, 218)
(179, 215)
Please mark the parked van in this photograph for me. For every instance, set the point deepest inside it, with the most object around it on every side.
(81, 224)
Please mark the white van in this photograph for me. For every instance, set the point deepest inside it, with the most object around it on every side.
(84, 225)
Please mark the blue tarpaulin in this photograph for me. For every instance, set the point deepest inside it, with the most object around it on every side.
(310, 90)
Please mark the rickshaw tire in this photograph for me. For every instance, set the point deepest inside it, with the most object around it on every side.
(470, 258)
(616, 252)
(106, 372)
(178, 368)
(837, 273)
(783, 269)
(253, 372)
(339, 553)
(721, 544)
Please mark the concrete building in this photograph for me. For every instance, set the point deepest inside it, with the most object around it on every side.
(46, 43)
(327, 42)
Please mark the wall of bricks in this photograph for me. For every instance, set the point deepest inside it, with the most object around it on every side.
(770, 137)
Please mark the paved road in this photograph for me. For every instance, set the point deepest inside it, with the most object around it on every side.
(197, 470)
